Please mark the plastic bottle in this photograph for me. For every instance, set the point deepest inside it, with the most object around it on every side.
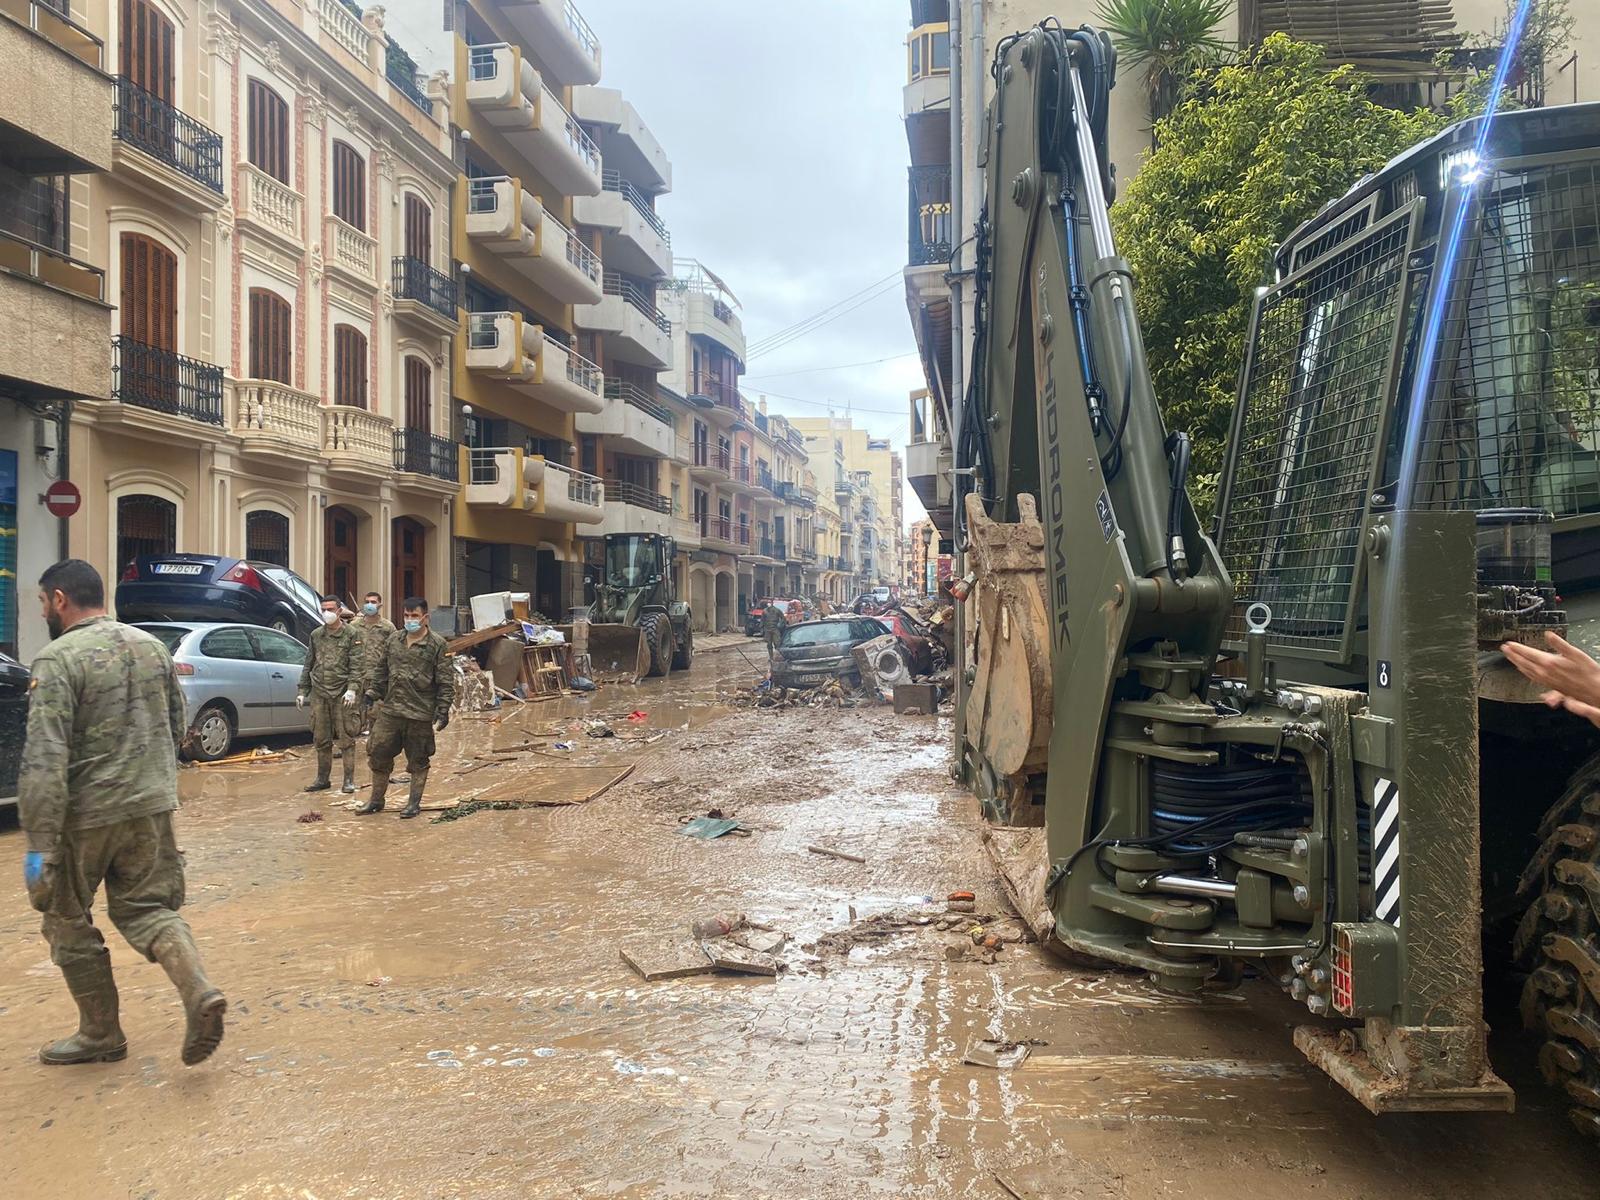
(717, 924)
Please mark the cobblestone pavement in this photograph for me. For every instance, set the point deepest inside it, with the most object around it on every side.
(427, 1011)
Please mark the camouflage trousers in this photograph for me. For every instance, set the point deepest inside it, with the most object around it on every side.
(334, 722)
(390, 734)
(141, 867)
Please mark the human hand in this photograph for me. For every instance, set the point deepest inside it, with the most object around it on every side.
(1571, 678)
(442, 722)
(299, 701)
(349, 698)
(37, 879)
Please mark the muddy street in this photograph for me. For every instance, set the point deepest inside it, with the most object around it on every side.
(437, 1009)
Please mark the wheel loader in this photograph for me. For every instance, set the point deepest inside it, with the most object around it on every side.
(1285, 743)
(637, 626)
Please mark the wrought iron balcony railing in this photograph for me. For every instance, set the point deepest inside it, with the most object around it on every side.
(416, 280)
(157, 379)
(148, 123)
(616, 284)
(638, 397)
(401, 69)
(639, 497)
(931, 219)
(613, 182)
(418, 452)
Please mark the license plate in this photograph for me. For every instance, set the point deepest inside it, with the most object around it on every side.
(815, 677)
(177, 568)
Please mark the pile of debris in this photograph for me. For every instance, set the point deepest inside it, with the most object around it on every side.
(727, 942)
(835, 693)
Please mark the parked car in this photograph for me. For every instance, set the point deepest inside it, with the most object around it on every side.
(753, 620)
(14, 680)
(237, 681)
(814, 652)
(208, 587)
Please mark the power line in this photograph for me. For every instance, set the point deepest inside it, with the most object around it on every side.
(847, 407)
(871, 362)
(892, 285)
(763, 343)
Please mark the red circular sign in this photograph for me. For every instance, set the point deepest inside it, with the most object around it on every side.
(62, 498)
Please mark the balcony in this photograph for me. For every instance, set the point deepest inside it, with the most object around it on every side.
(764, 479)
(710, 315)
(274, 420)
(504, 346)
(502, 477)
(710, 463)
(687, 532)
(510, 221)
(418, 452)
(763, 551)
(572, 495)
(742, 477)
(634, 509)
(357, 442)
(161, 381)
(719, 398)
(176, 153)
(634, 421)
(269, 207)
(349, 252)
(929, 460)
(637, 241)
(423, 294)
(510, 95)
(795, 493)
(401, 70)
(57, 101)
(718, 533)
(930, 229)
(927, 87)
(56, 321)
(627, 313)
(564, 38)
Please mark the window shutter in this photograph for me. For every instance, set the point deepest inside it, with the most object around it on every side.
(419, 229)
(349, 185)
(349, 367)
(419, 395)
(269, 336)
(268, 135)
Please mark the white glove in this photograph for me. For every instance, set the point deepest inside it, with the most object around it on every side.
(299, 701)
(349, 699)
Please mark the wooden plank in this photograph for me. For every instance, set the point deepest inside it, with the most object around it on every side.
(832, 853)
(666, 958)
(469, 641)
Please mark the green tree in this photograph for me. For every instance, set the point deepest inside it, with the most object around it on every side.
(1268, 140)
(1171, 39)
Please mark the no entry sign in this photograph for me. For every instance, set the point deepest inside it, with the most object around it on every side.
(62, 499)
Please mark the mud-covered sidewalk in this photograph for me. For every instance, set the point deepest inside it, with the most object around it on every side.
(432, 1010)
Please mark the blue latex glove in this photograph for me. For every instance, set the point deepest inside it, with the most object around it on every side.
(32, 868)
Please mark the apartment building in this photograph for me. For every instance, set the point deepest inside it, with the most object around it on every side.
(794, 502)
(629, 442)
(714, 469)
(839, 498)
(520, 375)
(275, 369)
(877, 505)
(55, 136)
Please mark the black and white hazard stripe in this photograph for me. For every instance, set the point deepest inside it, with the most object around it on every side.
(1386, 849)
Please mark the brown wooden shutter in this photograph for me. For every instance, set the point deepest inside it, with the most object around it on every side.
(149, 292)
(268, 141)
(349, 366)
(349, 185)
(146, 50)
(419, 395)
(419, 229)
(270, 336)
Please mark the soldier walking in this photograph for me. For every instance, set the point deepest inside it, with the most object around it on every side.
(329, 682)
(772, 623)
(374, 629)
(415, 681)
(96, 794)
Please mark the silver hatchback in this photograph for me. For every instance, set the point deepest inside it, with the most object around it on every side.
(237, 681)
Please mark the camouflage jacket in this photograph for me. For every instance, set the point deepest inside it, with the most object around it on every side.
(333, 664)
(105, 717)
(373, 634)
(414, 682)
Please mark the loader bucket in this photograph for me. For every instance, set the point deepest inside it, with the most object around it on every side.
(618, 653)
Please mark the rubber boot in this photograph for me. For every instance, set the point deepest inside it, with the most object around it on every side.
(413, 806)
(99, 1037)
(203, 1004)
(349, 757)
(374, 804)
(324, 770)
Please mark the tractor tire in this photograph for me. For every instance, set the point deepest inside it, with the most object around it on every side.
(1558, 943)
(657, 632)
(683, 652)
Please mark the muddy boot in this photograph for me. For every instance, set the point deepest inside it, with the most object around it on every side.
(324, 770)
(203, 1004)
(414, 801)
(349, 757)
(374, 804)
(99, 1037)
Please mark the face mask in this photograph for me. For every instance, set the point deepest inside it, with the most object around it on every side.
(330, 618)
(370, 609)
(413, 626)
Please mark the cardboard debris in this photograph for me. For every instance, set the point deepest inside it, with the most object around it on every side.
(727, 955)
(989, 1053)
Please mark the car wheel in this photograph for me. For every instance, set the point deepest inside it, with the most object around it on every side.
(213, 734)
(283, 625)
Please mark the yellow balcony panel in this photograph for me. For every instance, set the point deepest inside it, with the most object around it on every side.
(509, 94)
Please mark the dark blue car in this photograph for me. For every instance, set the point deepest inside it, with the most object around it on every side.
(208, 587)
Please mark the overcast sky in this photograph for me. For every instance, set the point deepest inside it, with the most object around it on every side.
(783, 126)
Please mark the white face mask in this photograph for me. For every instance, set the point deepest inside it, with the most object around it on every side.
(330, 618)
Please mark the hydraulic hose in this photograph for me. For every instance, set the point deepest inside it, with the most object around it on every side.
(1178, 454)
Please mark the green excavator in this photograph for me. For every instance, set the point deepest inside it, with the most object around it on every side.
(1283, 744)
(637, 625)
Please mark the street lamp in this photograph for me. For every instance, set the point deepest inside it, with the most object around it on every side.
(927, 559)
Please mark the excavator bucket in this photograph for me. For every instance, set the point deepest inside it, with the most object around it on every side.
(618, 653)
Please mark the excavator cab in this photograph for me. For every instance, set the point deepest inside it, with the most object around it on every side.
(637, 625)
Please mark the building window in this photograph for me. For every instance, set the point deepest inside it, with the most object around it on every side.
(419, 228)
(149, 292)
(349, 185)
(145, 525)
(266, 537)
(269, 336)
(419, 395)
(268, 142)
(146, 49)
(349, 366)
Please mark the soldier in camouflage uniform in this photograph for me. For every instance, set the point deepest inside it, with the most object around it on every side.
(330, 682)
(373, 628)
(96, 794)
(416, 681)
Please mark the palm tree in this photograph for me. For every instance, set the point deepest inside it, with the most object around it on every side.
(1171, 39)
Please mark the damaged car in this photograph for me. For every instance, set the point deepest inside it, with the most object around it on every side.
(813, 652)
